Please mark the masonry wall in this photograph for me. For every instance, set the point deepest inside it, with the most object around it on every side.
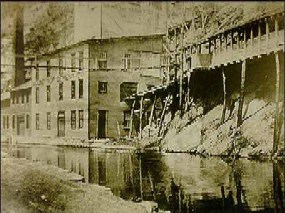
(67, 104)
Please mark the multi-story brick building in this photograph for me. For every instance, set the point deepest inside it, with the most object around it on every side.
(78, 91)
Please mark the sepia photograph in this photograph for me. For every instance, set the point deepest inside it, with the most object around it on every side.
(142, 107)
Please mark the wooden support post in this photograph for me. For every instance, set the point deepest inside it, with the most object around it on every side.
(241, 98)
(259, 36)
(141, 182)
(251, 37)
(152, 111)
(141, 112)
(132, 118)
(267, 31)
(277, 86)
(244, 43)
(276, 28)
(162, 115)
(181, 83)
(221, 43)
(225, 96)
(188, 90)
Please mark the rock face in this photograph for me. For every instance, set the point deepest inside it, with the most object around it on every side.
(206, 135)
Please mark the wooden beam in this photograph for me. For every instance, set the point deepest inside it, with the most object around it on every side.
(241, 98)
(276, 28)
(141, 112)
(267, 31)
(277, 91)
(225, 96)
(259, 35)
(162, 115)
(132, 118)
(152, 111)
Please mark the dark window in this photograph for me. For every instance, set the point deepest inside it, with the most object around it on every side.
(17, 98)
(60, 66)
(48, 120)
(13, 98)
(23, 97)
(81, 119)
(127, 119)
(72, 89)
(48, 93)
(37, 121)
(80, 88)
(73, 62)
(127, 89)
(13, 121)
(37, 95)
(7, 120)
(102, 61)
(73, 119)
(60, 91)
(37, 72)
(80, 60)
(27, 121)
(48, 68)
(102, 87)
(127, 62)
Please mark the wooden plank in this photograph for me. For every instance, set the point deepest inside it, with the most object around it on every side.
(277, 87)
(241, 98)
(225, 96)
(162, 115)
(132, 117)
(141, 112)
(267, 31)
(152, 111)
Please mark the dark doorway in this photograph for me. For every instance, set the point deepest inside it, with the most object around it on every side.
(61, 124)
(102, 123)
(21, 125)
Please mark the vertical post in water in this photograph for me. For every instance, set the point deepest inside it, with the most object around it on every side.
(152, 111)
(181, 70)
(225, 95)
(141, 109)
(241, 98)
(132, 118)
(277, 86)
(140, 168)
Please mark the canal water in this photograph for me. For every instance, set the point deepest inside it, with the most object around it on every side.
(177, 182)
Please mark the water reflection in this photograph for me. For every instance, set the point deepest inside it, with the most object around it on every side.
(177, 182)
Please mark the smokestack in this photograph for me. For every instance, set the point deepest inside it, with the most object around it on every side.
(19, 47)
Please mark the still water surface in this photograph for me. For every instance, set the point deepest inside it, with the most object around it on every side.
(177, 182)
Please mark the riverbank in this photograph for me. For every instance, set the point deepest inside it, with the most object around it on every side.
(205, 135)
(28, 186)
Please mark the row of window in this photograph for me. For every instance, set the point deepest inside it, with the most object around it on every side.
(20, 97)
(6, 121)
(60, 91)
(61, 67)
(73, 120)
(102, 63)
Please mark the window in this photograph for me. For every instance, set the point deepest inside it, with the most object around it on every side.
(37, 95)
(27, 97)
(102, 87)
(48, 69)
(37, 121)
(60, 66)
(17, 98)
(73, 62)
(37, 72)
(102, 61)
(48, 120)
(23, 98)
(13, 98)
(80, 60)
(127, 89)
(3, 121)
(13, 121)
(72, 89)
(80, 88)
(48, 93)
(81, 119)
(127, 119)
(60, 91)
(73, 119)
(27, 121)
(7, 120)
(127, 61)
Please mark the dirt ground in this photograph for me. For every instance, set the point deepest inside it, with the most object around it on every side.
(28, 186)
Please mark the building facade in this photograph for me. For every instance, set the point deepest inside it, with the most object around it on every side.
(79, 91)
